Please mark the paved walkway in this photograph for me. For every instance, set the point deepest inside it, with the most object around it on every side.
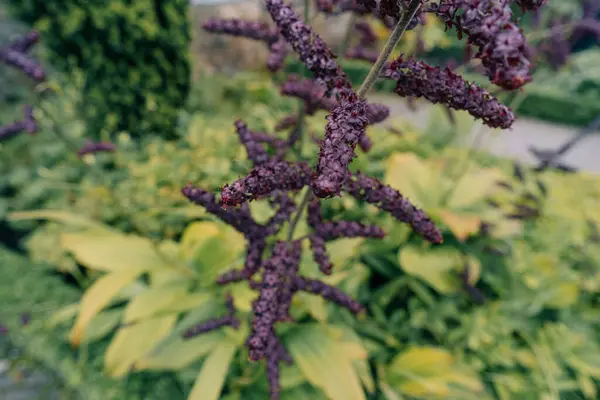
(514, 143)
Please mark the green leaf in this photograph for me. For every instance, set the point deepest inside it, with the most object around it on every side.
(210, 381)
(102, 324)
(436, 266)
(181, 352)
(408, 174)
(132, 342)
(342, 250)
(63, 217)
(431, 372)
(62, 315)
(155, 300)
(324, 362)
(106, 251)
(473, 188)
(98, 296)
(195, 234)
(211, 247)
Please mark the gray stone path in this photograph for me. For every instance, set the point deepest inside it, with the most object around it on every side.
(514, 143)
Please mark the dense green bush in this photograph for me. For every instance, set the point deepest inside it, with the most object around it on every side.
(133, 55)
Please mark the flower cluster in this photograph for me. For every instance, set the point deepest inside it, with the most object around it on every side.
(311, 49)
(90, 147)
(216, 323)
(531, 5)
(345, 126)
(15, 55)
(273, 270)
(418, 79)
(252, 30)
(310, 92)
(488, 25)
(27, 124)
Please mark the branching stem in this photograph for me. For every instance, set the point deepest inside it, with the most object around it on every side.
(392, 41)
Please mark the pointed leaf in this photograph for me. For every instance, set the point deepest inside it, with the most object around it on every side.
(408, 174)
(210, 381)
(436, 266)
(473, 188)
(98, 296)
(428, 372)
(155, 300)
(460, 224)
(179, 353)
(324, 363)
(112, 251)
(132, 342)
(102, 324)
(63, 217)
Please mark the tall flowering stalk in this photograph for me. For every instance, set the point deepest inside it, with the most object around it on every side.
(273, 270)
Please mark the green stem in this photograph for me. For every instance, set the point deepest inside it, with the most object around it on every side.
(393, 40)
(303, 203)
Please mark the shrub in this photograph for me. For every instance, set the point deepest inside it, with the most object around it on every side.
(133, 55)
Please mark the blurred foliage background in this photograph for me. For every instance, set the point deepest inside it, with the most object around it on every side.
(111, 263)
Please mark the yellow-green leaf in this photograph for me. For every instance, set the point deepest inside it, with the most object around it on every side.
(324, 362)
(588, 387)
(210, 381)
(564, 295)
(62, 315)
(179, 353)
(98, 296)
(102, 324)
(408, 174)
(436, 266)
(154, 300)
(112, 251)
(132, 342)
(342, 250)
(195, 234)
(63, 217)
(461, 225)
(473, 187)
(431, 372)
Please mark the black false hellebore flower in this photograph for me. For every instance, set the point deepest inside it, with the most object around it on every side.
(276, 276)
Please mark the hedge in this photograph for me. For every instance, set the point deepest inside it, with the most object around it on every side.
(133, 55)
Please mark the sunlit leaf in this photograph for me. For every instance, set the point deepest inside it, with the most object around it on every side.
(436, 266)
(342, 250)
(102, 324)
(181, 352)
(62, 315)
(324, 363)
(473, 187)
(64, 217)
(112, 251)
(134, 341)
(408, 174)
(430, 371)
(461, 225)
(195, 234)
(98, 296)
(210, 381)
(154, 300)
(564, 295)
